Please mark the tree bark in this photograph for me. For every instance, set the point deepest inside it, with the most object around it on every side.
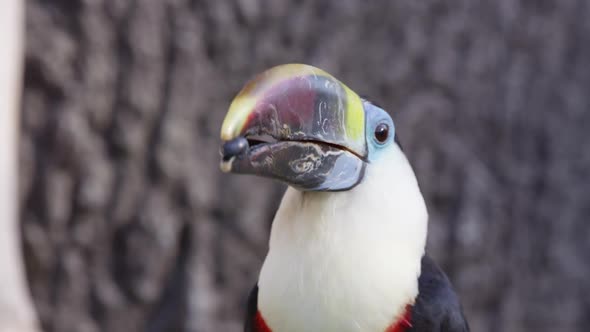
(16, 308)
(128, 225)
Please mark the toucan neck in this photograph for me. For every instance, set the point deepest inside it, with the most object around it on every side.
(346, 258)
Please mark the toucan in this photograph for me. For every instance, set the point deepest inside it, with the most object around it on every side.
(347, 244)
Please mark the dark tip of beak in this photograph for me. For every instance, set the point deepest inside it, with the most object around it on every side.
(234, 147)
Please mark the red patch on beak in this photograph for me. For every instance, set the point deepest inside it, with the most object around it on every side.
(294, 109)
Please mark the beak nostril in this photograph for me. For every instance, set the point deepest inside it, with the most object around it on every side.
(234, 147)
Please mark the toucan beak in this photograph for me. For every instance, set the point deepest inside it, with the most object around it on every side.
(298, 124)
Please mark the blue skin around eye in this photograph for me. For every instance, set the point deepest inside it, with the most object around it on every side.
(374, 117)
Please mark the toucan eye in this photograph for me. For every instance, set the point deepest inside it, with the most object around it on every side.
(382, 132)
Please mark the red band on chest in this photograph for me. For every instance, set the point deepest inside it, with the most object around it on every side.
(260, 324)
(403, 323)
(399, 326)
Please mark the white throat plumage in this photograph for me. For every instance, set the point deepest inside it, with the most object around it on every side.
(346, 261)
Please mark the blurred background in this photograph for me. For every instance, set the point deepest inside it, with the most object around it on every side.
(128, 224)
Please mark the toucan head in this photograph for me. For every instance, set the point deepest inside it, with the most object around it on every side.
(300, 125)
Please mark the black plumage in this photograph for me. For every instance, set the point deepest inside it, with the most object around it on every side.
(252, 311)
(437, 307)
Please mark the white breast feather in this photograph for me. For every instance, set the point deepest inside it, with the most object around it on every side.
(346, 261)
